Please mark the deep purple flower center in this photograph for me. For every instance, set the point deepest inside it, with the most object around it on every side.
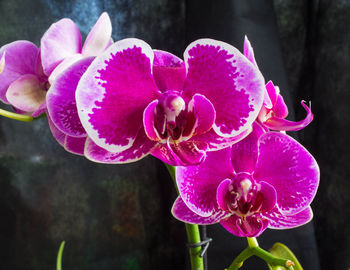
(243, 196)
(173, 121)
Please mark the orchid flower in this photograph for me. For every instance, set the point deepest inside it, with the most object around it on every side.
(22, 81)
(274, 110)
(29, 71)
(267, 180)
(133, 101)
(61, 44)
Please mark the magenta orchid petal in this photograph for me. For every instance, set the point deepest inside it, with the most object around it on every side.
(117, 79)
(61, 102)
(280, 109)
(276, 123)
(26, 93)
(20, 58)
(183, 213)
(140, 148)
(267, 104)
(248, 51)
(281, 221)
(268, 196)
(149, 121)
(244, 154)
(204, 113)
(75, 145)
(198, 184)
(221, 191)
(224, 76)
(66, 63)
(251, 226)
(169, 71)
(289, 168)
(60, 41)
(99, 37)
(272, 92)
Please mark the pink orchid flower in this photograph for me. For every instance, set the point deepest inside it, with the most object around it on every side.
(133, 101)
(22, 81)
(29, 71)
(267, 180)
(61, 45)
(274, 110)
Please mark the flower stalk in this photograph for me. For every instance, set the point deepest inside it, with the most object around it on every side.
(192, 231)
(252, 242)
(254, 249)
(16, 116)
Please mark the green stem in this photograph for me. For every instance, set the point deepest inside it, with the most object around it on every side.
(193, 237)
(16, 116)
(59, 256)
(192, 231)
(238, 261)
(271, 259)
(252, 242)
(254, 249)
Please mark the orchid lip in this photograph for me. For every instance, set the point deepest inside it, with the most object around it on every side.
(241, 196)
(173, 121)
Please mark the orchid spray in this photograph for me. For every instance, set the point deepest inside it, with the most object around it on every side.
(210, 114)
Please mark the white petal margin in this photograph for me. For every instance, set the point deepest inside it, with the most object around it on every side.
(90, 91)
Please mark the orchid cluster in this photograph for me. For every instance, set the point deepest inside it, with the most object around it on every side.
(211, 114)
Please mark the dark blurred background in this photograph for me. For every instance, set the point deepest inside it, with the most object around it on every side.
(118, 216)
